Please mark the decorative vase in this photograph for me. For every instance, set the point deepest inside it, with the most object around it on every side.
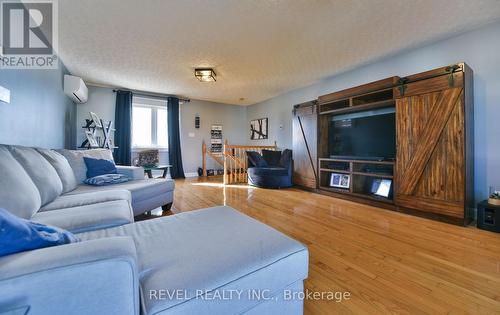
(493, 201)
(494, 196)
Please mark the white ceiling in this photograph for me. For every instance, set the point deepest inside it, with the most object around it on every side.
(259, 49)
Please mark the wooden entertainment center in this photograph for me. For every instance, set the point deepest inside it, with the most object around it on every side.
(430, 172)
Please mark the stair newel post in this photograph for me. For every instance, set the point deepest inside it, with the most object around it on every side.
(204, 154)
(224, 156)
(240, 172)
(237, 164)
(232, 167)
(242, 165)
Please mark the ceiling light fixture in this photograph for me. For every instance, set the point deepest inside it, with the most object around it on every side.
(205, 75)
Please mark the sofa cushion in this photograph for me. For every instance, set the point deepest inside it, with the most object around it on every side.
(18, 193)
(190, 251)
(70, 201)
(89, 217)
(62, 168)
(75, 159)
(132, 172)
(256, 159)
(40, 171)
(141, 190)
(19, 235)
(272, 157)
(286, 157)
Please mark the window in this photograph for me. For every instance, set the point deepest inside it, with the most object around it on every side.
(149, 123)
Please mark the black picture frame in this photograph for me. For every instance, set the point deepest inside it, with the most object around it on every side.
(259, 129)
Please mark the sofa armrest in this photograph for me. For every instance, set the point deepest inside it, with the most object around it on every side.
(132, 172)
(92, 277)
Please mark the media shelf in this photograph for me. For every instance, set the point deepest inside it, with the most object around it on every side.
(373, 100)
(366, 112)
(361, 173)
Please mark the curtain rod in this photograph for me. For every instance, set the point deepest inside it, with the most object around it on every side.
(151, 94)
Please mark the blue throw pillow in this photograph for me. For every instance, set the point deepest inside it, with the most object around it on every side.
(18, 235)
(107, 179)
(96, 167)
(272, 157)
(286, 157)
(256, 159)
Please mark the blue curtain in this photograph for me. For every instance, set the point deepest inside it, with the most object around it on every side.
(174, 138)
(123, 125)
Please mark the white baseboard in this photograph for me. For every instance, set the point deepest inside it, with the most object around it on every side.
(193, 174)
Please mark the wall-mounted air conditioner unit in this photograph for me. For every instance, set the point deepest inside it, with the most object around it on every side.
(76, 89)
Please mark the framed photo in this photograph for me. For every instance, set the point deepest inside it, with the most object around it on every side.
(91, 139)
(96, 119)
(381, 187)
(340, 180)
(259, 129)
(216, 139)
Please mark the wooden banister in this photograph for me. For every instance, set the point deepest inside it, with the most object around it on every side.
(204, 157)
(234, 160)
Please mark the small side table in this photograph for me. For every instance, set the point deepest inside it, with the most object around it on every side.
(148, 170)
(488, 217)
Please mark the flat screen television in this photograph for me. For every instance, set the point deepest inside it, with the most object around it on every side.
(367, 135)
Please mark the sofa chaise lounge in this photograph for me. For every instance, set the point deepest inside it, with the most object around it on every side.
(147, 194)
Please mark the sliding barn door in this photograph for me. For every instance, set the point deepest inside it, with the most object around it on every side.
(305, 144)
(430, 166)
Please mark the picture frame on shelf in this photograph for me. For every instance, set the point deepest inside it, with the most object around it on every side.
(96, 119)
(381, 187)
(216, 139)
(91, 139)
(340, 180)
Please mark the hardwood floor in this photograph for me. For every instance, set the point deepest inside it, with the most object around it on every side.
(389, 262)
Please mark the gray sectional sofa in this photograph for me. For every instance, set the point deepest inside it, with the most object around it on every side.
(47, 187)
(209, 261)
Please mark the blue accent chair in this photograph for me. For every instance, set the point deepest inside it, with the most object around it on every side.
(276, 174)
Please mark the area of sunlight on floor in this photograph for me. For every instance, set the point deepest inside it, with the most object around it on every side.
(221, 185)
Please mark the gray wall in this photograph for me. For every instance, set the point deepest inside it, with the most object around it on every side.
(102, 102)
(39, 114)
(480, 49)
(232, 117)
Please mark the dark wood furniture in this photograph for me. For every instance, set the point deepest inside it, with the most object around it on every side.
(372, 95)
(358, 176)
(488, 216)
(433, 170)
(148, 170)
(375, 95)
(434, 122)
(305, 144)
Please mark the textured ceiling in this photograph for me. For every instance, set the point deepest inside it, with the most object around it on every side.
(259, 49)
